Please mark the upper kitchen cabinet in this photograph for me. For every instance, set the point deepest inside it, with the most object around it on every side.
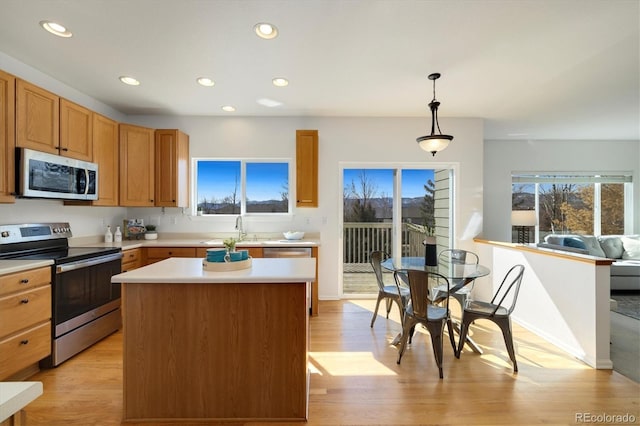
(137, 169)
(107, 155)
(7, 137)
(306, 168)
(37, 118)
(172, 168)
(76, 136)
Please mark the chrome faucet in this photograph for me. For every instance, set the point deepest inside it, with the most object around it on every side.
(241, 233)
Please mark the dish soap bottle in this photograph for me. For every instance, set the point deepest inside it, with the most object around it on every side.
(117, 237)
(108, 236)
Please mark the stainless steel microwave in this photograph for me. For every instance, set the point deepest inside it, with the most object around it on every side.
(43, 175)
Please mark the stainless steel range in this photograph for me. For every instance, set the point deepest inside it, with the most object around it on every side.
(85, 305)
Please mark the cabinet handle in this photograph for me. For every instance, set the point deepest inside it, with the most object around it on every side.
(24, 342)
(24, 281)
(24, 301)
(65, 149)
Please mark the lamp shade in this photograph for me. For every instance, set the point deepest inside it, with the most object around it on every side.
(524, 218)
(434, 143)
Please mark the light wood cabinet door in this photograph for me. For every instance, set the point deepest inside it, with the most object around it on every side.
(172, 168)
(137, 169)
(107, 155)
(37, 118)
(306, 168)
(76, 135)
(7, 137)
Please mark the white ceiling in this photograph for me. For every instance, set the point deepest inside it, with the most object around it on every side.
(538, 69)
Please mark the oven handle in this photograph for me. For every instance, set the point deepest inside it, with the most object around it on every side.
(72, 266)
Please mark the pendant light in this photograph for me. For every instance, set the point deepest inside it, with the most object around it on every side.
(434, 142)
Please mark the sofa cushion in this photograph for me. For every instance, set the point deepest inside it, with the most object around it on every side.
(554, 239)
(612, 246)
(631, 247)
(592, 245)
(575, 242)
(629, 268)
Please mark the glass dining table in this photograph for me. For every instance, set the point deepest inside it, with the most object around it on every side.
(458, 274)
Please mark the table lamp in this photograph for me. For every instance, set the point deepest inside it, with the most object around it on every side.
(523, 220)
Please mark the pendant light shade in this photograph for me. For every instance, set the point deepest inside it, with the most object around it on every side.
(434, 142)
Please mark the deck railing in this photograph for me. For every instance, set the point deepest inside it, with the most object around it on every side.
(361, 238)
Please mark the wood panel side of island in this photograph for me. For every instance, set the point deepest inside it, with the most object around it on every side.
(216, 351)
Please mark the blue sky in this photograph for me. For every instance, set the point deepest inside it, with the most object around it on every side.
(413, 180)
(217, 179)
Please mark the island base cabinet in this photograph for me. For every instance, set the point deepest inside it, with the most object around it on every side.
(215, 352)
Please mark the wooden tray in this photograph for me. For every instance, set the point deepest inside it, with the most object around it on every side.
(226, 266)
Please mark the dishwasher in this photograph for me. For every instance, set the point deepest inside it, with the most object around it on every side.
(291, 252)
(286, 252)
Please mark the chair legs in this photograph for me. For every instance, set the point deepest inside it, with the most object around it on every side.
(505, 325)
(436, 330)
(389, 302)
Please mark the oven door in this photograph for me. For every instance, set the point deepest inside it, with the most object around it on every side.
(82, 292)
(46, 175)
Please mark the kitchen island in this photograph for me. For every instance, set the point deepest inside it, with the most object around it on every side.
(216, 346)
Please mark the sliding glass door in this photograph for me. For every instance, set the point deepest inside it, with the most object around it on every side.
(390, 209)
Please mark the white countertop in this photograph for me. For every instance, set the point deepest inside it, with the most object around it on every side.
(190, 270)
(10, 266)
(14, 396)
(202, 242)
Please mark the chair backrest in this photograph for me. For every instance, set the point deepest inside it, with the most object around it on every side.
(458, 256)
(507, 294)
(375, 258)
(426, 289)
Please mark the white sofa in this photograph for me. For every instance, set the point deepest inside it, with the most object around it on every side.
(624, 249)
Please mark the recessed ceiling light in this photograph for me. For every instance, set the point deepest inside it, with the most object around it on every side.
(55, 28)
(265, 30)
(228, 108)
(204, 81)
(280, 82)
(129, 80)
(268, 102)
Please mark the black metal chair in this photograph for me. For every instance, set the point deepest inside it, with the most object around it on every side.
(390, 293)
(497, 310)
(428, 309)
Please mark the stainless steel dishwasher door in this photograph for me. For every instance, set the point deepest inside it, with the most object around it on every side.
(286, 252)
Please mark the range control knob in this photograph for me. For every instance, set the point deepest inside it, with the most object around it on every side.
(4, 234)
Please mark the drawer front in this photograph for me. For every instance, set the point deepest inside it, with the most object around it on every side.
(130, 256)
(24, 280)
(21, 310)
(131, 259)
(24, 349)
(166, 252)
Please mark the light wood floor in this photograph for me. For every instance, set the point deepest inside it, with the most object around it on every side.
(355, 380)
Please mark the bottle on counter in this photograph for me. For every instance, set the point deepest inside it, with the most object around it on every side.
(108, 236)
(117, 237)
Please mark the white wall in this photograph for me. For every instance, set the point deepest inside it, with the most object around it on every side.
(503, 157)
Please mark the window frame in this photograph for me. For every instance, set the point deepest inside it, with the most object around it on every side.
(594, 178)
(243, 185)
